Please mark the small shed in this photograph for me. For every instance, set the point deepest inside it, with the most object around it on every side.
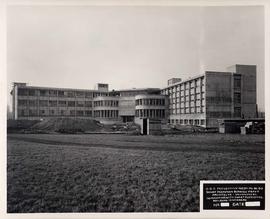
(150, 126)
(234, 125)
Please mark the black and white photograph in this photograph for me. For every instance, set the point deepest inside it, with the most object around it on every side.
(128, 108)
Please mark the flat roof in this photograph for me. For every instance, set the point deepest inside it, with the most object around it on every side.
(57, 88)
(138, 89)
(89, 90)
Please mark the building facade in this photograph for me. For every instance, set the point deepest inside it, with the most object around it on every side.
(204, 99)
(106, 106)
(200, 100)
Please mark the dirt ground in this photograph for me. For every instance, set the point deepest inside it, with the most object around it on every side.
(121, 173)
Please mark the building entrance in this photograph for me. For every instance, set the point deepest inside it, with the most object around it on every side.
(145, 123)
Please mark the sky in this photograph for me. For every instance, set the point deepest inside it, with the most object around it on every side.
(130, 46)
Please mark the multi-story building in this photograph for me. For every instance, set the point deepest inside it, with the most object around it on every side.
(30, 102)
(200, 100)
(214, 95)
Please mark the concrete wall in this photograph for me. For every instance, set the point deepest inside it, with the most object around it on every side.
(127, 106)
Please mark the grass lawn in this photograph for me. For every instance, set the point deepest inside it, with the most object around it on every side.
(120, 173)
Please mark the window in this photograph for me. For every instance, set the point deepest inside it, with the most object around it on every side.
(88, 94)
(70, 94)
(237, 111)
(32, 103)
(32, 92)
(43, 103)
(80, 103)
(80, 94)
(237, 98)
(88, 113)
(61, 93)
(53, 93)
(52, 103)
(237, 82)
(22, 92)
(88, 103)
(32, 112)
(42, 112)
(62, 103)
(79, 113)
(71, 103)
(202, 122)
(23, 102)
(197, 83)
(43, 93)
(63, 112)
(22, 112)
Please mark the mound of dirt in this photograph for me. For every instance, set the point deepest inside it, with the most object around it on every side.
(122, 127)
(189, 128)
(19, 125)
(182, 129)
(68, 125)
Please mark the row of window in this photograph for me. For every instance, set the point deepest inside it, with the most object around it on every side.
(185, 86)
(111, 103)
(187, 121)
(53, 93)
(219, 114)
(70, 93)
(187, 110)
(187, 94)
(191, 91)
(150, 102)
(187, 103)
(150, 113)
(186, 99)
(44, 113)
(106, 113)
(54, 103)
(138, 92)
(59, 93)
(219, 99)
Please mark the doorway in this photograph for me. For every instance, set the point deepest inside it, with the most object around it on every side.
(145, 127)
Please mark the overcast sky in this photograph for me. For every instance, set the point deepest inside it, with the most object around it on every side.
(130, 46)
